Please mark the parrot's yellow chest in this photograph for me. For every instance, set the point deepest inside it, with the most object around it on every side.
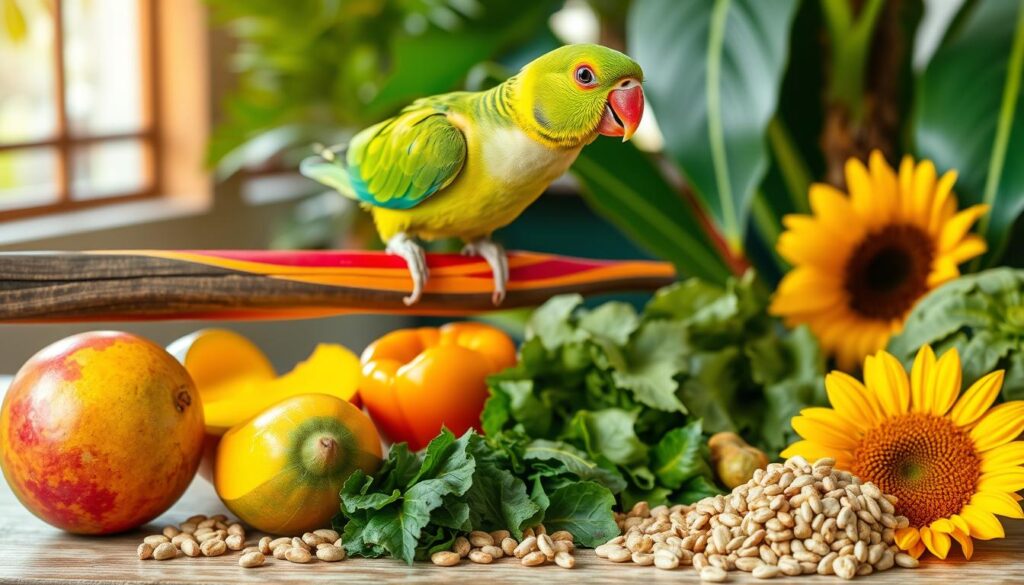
(505, 171)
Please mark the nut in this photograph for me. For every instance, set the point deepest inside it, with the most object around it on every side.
(327, 534)
(190, 548)
(565, 560)
(180, 538)
(156, 540)
(562, 535)
(236, 528)
(445, 558)
(145, 551)
(461, 546)
(312, 540)
(766, 572)
(330, 553)
(280, 551)
(480, 538)
(713, 574)
(265, 545)
(251, 560)
(906, 561)
(213, 548)
(527, 546)
(479, 556)
(535, 558)
(508, 546)
(845, 567)
(235, 541)
(499, 535)
(546, 546)
(494, 551)
(171, 531)
(298, 555)
(164, 551)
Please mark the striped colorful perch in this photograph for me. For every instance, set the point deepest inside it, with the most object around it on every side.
(250, 284)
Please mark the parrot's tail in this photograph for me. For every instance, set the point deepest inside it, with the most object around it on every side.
(328, 167)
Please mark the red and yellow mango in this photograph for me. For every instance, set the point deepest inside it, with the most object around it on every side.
(100, 432)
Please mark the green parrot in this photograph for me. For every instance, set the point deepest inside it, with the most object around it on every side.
(464, 164)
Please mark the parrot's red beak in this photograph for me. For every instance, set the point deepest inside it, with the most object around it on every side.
(623, 111)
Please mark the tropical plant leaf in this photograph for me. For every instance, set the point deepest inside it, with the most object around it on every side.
(713, 71)
(969, 114)
(637, 198)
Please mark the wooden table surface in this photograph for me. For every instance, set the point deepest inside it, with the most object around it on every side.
(32, 552)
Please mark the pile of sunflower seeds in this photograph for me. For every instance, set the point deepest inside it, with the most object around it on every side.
(537, 548)
(793, 518)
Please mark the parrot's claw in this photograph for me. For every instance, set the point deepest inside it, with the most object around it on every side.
(496, 258)
(406, 248)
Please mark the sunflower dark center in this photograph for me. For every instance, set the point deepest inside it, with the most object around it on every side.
(926, 461)
(888, 271)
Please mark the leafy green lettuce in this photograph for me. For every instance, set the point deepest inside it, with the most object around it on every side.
(419, 502)
(635, 393)
(982, 316)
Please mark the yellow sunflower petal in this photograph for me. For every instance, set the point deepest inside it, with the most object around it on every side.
(998, 503)
(984, 526)
(853, 385)
(831, 418)
(946, 387)
(805, 290)
(823, 433)
(905, 177)
(1007, 480)
(907, 537)
(943, 191)
(937, 542)
(917, 550)
(960, 523)
(849, 402)
(943, 271)
(923, 194)
(862, 195)
(999, 426)
(977, 399)
(884, 375)
(922, 378)
(965, 541)
(832, 207)
(944, 525)
(957, 227)
(1003, 457)
(970, 247)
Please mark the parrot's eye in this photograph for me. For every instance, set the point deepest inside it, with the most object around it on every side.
(585, 76)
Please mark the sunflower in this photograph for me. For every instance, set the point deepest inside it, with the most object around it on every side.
(952, 463)
(861, 262)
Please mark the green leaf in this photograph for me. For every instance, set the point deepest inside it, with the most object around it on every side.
(656, 356)
(575, 462)
(624, 186)
(498, 501)
(551, 321)
(585, 510)
(724, 60)
(981, 316)
(677, 457)
(613, 320)
(969, 114)
(523, 405)
(610, 434)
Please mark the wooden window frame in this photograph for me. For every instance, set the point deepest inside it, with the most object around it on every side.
(176, 112)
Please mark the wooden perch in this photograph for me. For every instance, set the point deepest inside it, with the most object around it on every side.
(250, 284)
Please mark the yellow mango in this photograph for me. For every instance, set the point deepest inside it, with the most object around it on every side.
(281, 472)
(237, 381)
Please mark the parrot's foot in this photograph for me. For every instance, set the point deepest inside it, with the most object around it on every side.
(495, 256)
(405, 247)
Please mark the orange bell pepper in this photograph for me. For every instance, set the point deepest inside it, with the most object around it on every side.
(417, 380)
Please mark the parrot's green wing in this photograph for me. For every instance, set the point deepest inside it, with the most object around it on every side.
(399, 162)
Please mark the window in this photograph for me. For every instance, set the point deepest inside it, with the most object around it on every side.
(86, 97)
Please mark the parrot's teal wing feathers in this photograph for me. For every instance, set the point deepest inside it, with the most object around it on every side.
(397, 163)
